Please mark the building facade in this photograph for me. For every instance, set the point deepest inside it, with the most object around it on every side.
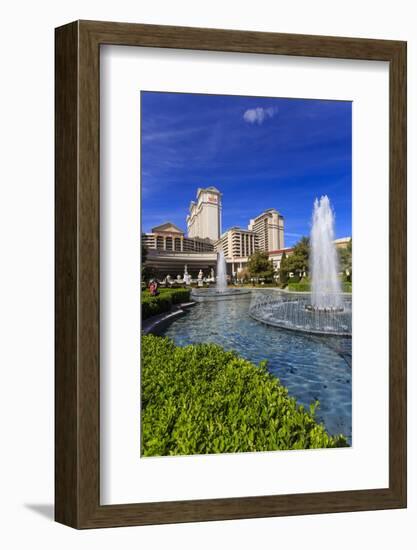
(171, 238)
(269, 226)
(204, 218)
(170, 249)
(237, 243)
(163, 263)
(343, 242)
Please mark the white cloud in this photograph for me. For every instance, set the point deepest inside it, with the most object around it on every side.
(259, 114)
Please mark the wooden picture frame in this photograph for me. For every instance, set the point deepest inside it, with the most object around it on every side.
(77, 374)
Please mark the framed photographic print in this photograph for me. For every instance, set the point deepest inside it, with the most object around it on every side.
(230, 274)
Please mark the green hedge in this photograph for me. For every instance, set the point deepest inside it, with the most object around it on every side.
(153, 305)
(201, 399)
(178, 295)
(299, 287)
(305, 286)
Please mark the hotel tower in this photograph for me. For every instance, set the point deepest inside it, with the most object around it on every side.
(204, 218)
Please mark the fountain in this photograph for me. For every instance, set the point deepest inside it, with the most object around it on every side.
(326, 310)
(221, 279)
(325, 284)
(221, 290)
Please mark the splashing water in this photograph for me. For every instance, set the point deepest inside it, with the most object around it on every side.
(326, 311)
(325, 283)
(221, 290)
(221, 281)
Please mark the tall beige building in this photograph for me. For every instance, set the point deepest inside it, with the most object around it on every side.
(204, 218)
(237, 246)
(237, 243)
(269, 226)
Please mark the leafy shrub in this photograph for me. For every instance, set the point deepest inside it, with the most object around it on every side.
(302, 286)
(153, 305)
(201, 399)
(347, 286)
(178, 295)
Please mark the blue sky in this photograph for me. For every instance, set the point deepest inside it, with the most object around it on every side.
(259, 152)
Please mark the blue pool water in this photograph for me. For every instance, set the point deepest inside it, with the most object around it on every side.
(312, 368)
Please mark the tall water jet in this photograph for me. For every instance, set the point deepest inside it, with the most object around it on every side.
(325, 283)
(221, 291)
(326, 311)
(221, 280)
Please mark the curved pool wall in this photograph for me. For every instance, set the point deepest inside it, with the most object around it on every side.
(210, 294)
(311, 367)
(292, 311)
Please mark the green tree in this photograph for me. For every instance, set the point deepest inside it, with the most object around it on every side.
(283, 269)
(260, 266)
(345, 260)
(297, 262)
(243, 274)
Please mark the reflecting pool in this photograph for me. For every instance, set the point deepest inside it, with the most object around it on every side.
(311, 367)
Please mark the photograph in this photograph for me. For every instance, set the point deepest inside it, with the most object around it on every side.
(209, 242)
(246, 274)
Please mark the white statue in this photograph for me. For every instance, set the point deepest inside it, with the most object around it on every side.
(187, 276)
(200, 278)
